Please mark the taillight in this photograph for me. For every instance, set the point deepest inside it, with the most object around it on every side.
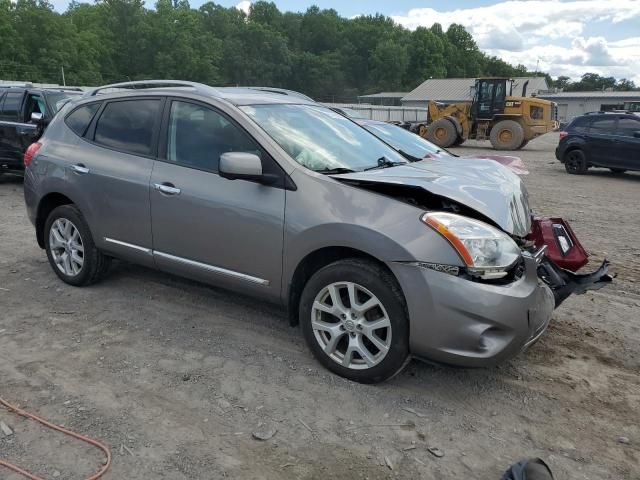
(30, 153)
(563, 134)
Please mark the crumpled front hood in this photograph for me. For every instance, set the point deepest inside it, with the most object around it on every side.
(483, 185)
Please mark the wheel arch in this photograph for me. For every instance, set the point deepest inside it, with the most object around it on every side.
(46, 205)
(316, 260)
(572, 147)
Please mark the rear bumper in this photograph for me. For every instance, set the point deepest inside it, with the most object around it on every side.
(559, 153)
(460, 322)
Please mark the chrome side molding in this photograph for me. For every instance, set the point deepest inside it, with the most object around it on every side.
(212, 268)
(128, 245)
(192, 263)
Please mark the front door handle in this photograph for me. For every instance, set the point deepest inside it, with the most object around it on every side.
(167, 188)
(79, 169)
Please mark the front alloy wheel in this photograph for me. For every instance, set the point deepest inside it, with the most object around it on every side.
(354, 319)
(351, 325)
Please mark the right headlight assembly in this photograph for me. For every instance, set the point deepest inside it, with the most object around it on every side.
(487, 252)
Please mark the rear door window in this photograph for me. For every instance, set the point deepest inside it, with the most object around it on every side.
(198, 135)
(129, 125)
(603, 126)
(81, 117)
(628, 126)
(12, 105)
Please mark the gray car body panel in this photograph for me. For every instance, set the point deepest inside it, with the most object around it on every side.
(251, 237)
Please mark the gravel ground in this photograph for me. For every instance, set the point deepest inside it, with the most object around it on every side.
(176, 377)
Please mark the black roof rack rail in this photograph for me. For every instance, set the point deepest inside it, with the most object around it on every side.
(146, 84)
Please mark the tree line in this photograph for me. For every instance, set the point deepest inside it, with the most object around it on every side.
(317, 52)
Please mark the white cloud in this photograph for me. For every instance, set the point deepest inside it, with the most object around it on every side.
(245, 5)
(535, 31)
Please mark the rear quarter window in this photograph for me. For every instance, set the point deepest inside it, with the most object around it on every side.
(81, 117)
(580, 124)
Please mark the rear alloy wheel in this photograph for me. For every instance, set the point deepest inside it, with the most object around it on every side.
(575, 162)
(354, 321)
(70, 248)
(442, 132)
(507, 135)
(618, 171)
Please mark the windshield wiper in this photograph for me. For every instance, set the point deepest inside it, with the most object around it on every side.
(384, 162)
(335, 171)
(408, 156)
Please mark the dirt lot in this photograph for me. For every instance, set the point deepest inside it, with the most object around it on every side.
(176, 376)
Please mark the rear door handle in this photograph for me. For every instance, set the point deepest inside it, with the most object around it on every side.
(167, 188)
(79, 169)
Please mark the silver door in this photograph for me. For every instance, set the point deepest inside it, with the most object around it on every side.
(226, 232)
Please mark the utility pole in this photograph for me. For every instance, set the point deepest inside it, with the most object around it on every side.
(64, 82)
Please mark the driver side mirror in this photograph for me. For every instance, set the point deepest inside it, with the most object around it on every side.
(37, 118)
(244, 166)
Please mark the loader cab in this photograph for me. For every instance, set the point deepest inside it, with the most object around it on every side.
(489, 97)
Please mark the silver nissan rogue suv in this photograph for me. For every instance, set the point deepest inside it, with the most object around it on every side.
(268, 193)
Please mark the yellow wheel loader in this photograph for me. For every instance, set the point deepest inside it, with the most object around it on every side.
(508, 122)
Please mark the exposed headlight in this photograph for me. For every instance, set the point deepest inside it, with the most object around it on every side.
(486, 251)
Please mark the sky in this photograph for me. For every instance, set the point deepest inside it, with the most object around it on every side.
(568, 37)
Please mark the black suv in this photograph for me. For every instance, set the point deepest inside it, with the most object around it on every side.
(609, 140)
(24, 111)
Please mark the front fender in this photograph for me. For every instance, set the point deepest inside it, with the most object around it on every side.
(326, 213)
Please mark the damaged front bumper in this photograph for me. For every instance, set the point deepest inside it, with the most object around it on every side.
(564, 283)
(560, 254)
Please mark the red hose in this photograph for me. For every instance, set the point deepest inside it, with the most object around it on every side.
(75, 435)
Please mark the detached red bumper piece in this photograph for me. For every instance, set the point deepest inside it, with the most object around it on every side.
(563, 247)
(563, 256)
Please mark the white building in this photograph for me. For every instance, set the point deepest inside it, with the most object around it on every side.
(573, 104)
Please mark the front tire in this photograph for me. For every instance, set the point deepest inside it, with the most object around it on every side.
(70, 249)
(575, 162)
(354, 320)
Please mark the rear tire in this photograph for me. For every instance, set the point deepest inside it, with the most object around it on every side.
(575, 162)
(70, 248)
(507, 135)
(618, 171)
(442, 132)
(337, 333)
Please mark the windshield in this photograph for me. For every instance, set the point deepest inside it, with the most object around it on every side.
(404, 140)
(58, 99)
(320, 139)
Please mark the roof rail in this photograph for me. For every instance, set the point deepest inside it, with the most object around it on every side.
(67, 89)
(144, 84)
(16, 85)
(282, 91)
